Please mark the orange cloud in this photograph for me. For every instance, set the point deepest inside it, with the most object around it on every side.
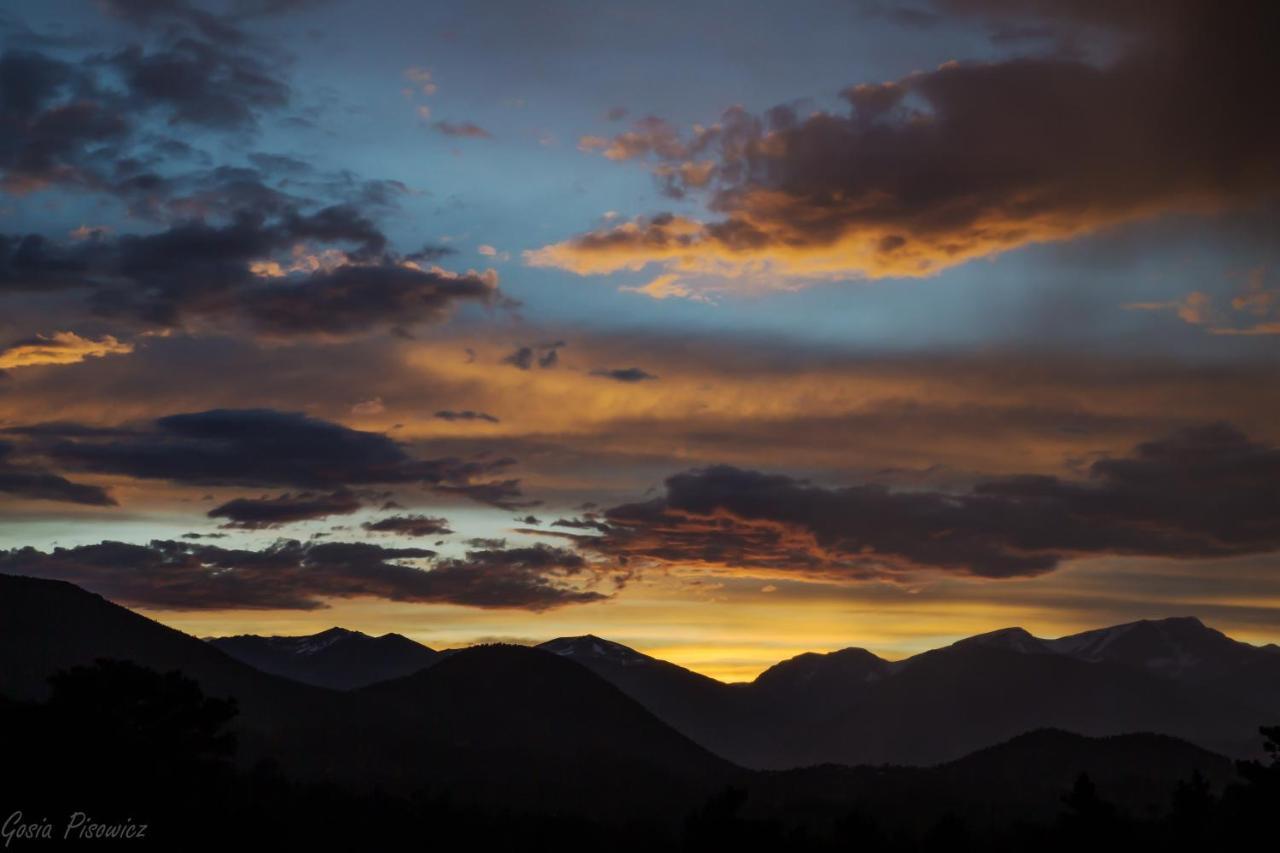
(59, 348)
(967, 161)
(1256, 309)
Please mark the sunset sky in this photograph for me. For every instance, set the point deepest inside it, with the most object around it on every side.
(727, 330)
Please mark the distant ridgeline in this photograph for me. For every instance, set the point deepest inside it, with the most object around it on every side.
(1018, 743)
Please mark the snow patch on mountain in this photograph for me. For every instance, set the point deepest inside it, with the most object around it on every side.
(591, 646)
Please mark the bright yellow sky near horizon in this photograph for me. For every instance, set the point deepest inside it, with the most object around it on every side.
(732, 630)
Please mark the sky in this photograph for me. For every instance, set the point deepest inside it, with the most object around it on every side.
(725, 330)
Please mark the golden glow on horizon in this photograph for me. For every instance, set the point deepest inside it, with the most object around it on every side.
(731, 631)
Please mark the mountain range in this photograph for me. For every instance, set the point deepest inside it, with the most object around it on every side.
(503, 724)
(586, 700)
(336, 658)
(1171, 676)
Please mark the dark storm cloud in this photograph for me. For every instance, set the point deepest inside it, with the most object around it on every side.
(464, 415)
(295, 576)
(1203, 492)
(625, 374)
(263, 448)
(197, 270)
(33, 483)
(409, 525)
(974, 158)
(267, 512)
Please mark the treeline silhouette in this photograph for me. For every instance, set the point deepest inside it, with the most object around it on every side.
(127, 745)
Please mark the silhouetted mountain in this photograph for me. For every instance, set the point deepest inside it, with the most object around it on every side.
(490, 710)
(141, 748)
(336, 658)
(1010, 639)
(1133, 769)
(506, 724)
(942, 704)
(848, 707)
(707, 711)
(1024, 776)
(1181, 648)
(833, 680)
(48, 625)
(1174, 677)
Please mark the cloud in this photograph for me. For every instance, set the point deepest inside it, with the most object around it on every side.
(667, 286)
(263, 513)
(965, 161)
(32, 483)
(422, 80)
(625, 374)
(90, 232)
(355, 298)
(59, 348)
(465, 129)
(1202, 492)
(163, 14)
(209, 72)
(649, 135)
(521, 358)
(1254, 310)
(85, 122)
(53, 120)
(290, 575)
(369, 407)
(409, 525)
(464, 415)
(201, 83)
(260, 448)
(504, 494)
(487, 577)
(545, 355)
(129, 121)
(249, 271)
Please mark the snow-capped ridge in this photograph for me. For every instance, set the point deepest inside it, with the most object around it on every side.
(591, 646)
(1014, 639)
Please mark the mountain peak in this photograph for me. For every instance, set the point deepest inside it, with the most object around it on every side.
(1173, 646)
(593, 647)
(314, 643)
(338, 657)
(1013, 639)
(846, 667)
